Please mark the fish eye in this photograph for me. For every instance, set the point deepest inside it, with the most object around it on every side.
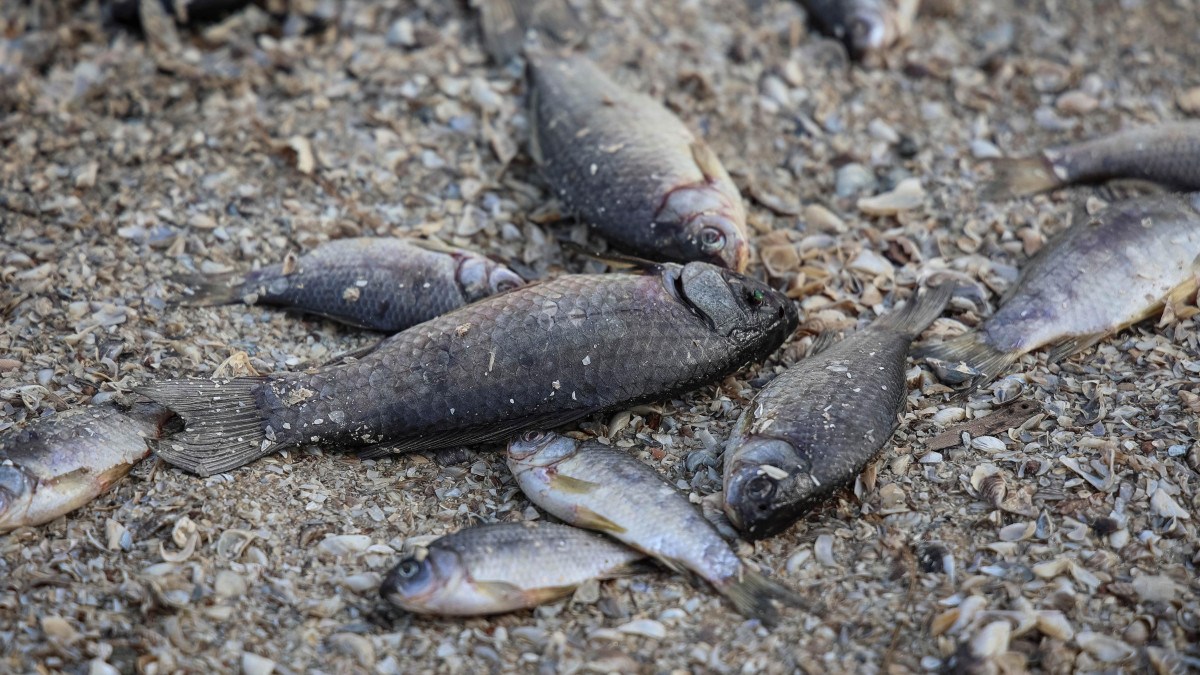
(756, 297)
(408, 568)
(711, 240)
(504, 280)
(533, 436)
(760, 488)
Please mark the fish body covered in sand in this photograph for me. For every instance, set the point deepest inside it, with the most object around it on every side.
(1165, 154)
(608, 490)
(502, 567)
(542, 355)
(57, 464)
(624, 164)
(382, 284)
(813, 428)
(1098, 277)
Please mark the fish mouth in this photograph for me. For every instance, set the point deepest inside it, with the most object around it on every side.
(16, 496)
(528, 444)
(539, 449)
(761, 497)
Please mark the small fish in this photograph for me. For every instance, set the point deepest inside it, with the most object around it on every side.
(866, 27)
(542, 355)
(1166, 154)
(382, 284)
(59, 463)
(1097, 278)
(625, 165)
(813, 428)
(603, 489)
(502, 567)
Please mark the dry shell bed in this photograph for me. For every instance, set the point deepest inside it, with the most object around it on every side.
(1067, 543)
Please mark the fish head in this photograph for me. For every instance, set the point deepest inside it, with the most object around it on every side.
(427, 581)
(540, 449)
(869, 30)
(480, 277)
(721, 240)
(707, 224)
(738, 306)
(17, 489)
(767, 484)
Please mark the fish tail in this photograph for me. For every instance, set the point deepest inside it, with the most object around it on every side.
(223, 427)
(971, 351)
(1014, 177)
(920, 310)
(206, 290)
(752, 595)
(507, 23)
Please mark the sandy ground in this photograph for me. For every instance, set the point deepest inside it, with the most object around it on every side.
(126, 161)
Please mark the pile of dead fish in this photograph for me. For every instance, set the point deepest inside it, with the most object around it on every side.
(477, 355)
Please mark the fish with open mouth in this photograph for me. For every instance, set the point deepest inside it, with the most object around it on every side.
(813, 428)
(542, 355)
(379, 283)
(57, 464)
(503, 567)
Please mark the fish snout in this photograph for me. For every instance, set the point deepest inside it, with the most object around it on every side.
(16, 494)
(762, 497)
(540, 448)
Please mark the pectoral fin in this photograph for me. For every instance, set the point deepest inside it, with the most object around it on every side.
(575, 486)
(707, 160)
(587, 518)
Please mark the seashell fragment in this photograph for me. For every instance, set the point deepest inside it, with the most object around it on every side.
(1104, 648)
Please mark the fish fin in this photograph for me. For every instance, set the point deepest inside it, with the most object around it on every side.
(823, 340)
(502, 590)
(570, 485)
(612, 258)
(223, 427)
(468, 437)
(707, 160)
(752, 594)
(1015, 177)
(589, 519)
(920, 311)
(207, 290)
(971, 351)
(506, 25)
(1072, 345)
(352, 354)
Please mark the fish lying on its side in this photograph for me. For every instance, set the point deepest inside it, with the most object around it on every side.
(1093, 280)
(813, 428)
(1167, 154)
(603, 489)
(59, 463)
(542, 355)
(865, 27)
(382, 284)
(502, 567)
(627, 166)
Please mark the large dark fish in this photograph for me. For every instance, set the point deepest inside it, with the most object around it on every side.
(608, 490)
(627, 166)
(1097, 278)
(865, 27)
(813, 428)
(539, 356)
(1167, 154)
(382, 284)
(489, 569)
(57, 464)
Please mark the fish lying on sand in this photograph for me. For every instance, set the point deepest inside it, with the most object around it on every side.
(866, 27)
(608, 490)
(1166, 154)
(542, 355)
(383, 284)
(813, 428)
(489, 569)
(627, 166)
(57, 464)
(1096, 278)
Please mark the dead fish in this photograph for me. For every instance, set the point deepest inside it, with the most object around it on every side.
(502, 567)
(59, 463)
(865, 27)
(383, 284)
(628, 167)
(1095, 279)
(1166, 154)
(812, 429)
(542, 355)
(603, 489)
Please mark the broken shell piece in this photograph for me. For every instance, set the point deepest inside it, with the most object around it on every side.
(949, 416)
(780, 259)
(1104, 648)
(908, 194)
(992, 640)
(232, 543)
(993, 489)
(1054, 624)
(1162, 504)
(988, 444)
(1017, 531)
(823, 550)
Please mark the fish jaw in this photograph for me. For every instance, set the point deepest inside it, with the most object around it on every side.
(540, 449)
(711, 226)
(17, 490)
(41, 501)
(479, 277)
(768, 482)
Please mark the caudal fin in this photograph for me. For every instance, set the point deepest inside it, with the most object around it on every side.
(1015, 177)
(223, 428)
(971, 351)
(920, 310)
(507, 23)
(206, 290)
(754, 595)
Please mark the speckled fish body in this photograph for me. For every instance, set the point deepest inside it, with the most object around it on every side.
(502, 567)
(1098, 277)
(383, 284)
(813, 428)
(1167, 154)
(865, 27)
(57, 464)
(542, 355)
(593, 486)
(630, 168)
